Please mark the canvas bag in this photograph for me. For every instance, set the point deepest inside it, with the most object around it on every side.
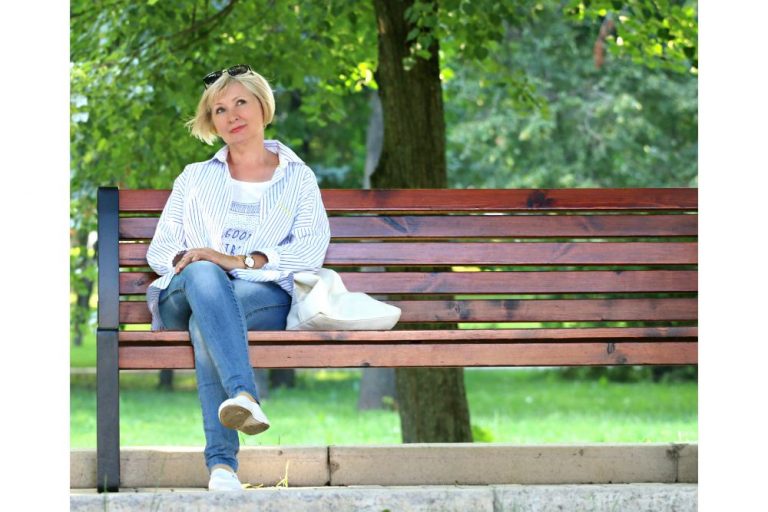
(321, 302)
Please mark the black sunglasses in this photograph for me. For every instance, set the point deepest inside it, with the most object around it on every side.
(239, 69)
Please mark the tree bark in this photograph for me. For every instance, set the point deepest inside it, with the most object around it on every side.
(282, 377)
(432, 402)
(414, 122)
(376, 385)
(165, 380)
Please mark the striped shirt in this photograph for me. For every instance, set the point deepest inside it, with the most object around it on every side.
(293, 234)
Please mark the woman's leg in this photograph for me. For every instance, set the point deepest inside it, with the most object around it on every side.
(221, 443)
(219, 317)
(265, 307)
(201, 299)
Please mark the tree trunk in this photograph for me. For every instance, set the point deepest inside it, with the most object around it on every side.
(374, 139)
(412, 101)
(432, 402)
(282, 377)
(377, 389)
(81, 312)
(261, 376)
(165, 380)
(438, 413)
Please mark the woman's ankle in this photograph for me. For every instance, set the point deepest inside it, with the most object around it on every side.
(222, 466)
(248, 396)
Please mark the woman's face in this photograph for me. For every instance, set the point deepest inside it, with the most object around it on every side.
(237, 115)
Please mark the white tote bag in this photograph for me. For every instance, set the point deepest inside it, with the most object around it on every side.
(321, 302)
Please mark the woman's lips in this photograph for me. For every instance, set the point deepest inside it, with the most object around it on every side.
(235, 130)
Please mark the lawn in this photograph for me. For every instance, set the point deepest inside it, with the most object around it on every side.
(513, 406)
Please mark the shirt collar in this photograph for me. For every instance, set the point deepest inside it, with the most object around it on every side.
(284, 152)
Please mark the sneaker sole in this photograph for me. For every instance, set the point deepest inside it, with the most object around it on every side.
(240, 418)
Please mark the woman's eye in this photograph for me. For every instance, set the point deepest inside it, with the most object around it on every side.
(241, 102)
(219, 110)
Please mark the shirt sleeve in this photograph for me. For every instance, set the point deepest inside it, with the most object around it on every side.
(169, 234)
(304, 248)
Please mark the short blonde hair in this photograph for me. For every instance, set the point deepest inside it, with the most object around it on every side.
(201, 126)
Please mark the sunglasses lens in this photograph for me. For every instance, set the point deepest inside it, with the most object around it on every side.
(239, 69)
(211, 77)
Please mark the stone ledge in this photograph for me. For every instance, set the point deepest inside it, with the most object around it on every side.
(497, 498)
(408, 464)
(175, 466)
(477, 464)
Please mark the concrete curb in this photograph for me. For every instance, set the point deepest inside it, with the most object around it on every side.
(479, 464)
(408, 464)
(497, 498)
(185, 467)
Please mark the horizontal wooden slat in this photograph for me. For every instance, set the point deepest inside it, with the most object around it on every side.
(480, 226)
(438, 200)
(612, 334)
(431, 355)
(601, 281)
(587, 310)
(476, 253)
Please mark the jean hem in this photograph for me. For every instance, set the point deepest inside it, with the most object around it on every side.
(220, 460)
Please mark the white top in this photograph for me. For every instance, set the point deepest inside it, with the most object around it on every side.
(243, 218)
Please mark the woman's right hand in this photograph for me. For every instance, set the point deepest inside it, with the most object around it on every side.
(225, 261)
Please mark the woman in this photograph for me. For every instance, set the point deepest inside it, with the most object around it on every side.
(233, 231)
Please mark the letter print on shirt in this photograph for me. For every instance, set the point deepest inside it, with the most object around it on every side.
(242, 221)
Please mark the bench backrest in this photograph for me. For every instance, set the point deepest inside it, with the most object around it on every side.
(622, 258)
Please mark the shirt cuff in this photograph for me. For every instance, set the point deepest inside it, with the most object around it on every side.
(273, 259)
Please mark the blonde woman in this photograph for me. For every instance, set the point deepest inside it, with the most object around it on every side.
(233, 231)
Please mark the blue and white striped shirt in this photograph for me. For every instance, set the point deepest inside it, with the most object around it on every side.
(294, 232)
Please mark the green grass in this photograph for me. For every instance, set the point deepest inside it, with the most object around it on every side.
(512, 406)
(83, 356)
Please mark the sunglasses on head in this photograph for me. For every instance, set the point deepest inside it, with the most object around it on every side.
(239, 69)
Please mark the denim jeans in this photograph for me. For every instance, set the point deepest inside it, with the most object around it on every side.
(218, 310)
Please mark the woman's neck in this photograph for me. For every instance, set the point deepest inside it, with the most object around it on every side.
(251, 162)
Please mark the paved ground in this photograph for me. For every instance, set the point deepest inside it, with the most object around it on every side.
(493, 498)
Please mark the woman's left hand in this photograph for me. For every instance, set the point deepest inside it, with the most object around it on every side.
(225, 261)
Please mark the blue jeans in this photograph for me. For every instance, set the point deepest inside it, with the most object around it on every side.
(218, 311)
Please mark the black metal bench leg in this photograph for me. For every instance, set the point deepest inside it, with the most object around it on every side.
(107, 368)
(107, 412)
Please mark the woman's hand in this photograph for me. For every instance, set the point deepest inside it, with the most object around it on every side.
(225, 261)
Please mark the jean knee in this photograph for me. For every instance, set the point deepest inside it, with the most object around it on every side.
(203, 275)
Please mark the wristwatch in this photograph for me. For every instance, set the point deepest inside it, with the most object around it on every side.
(249, 261)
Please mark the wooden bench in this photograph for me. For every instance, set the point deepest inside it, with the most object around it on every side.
(566, 277)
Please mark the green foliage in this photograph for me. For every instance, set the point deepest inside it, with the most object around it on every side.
(655, 33)
(620, 126)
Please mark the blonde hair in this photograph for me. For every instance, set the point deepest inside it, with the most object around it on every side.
(201, 125)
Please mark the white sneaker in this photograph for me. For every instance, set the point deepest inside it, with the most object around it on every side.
(241, 414)
(223, 480)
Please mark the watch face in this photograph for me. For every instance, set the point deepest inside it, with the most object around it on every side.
(249, 262)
